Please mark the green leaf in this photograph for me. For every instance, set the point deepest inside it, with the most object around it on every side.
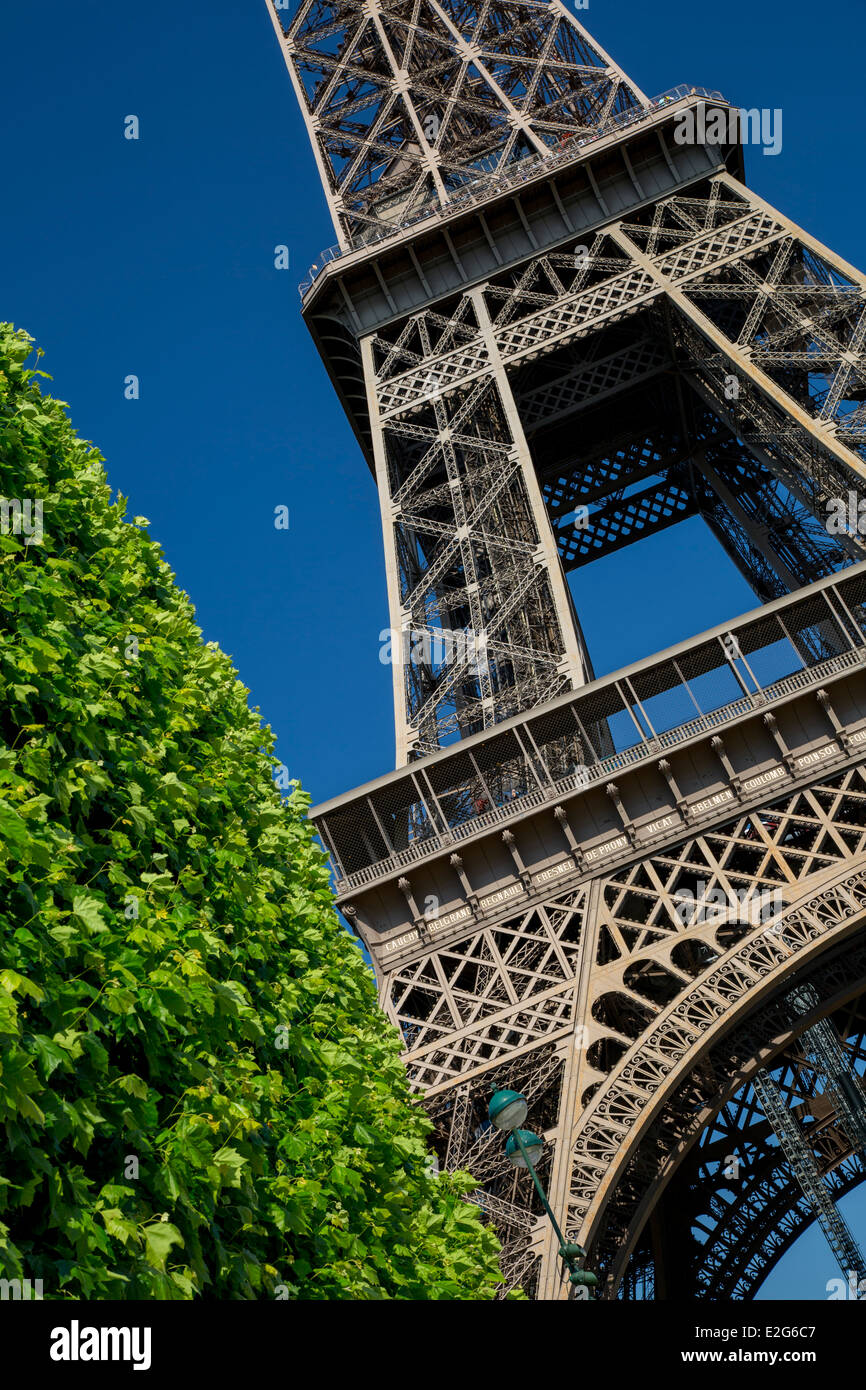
(159, 1238)
(89, 911)
(117, 1225)
(13, 830)
(133, 1085)
(12, 981)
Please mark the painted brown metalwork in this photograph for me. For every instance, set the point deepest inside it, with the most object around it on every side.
(556, 327)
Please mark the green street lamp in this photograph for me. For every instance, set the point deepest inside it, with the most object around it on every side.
(507, 1111)
(524, 1149)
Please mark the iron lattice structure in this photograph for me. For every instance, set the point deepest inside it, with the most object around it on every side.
(408, 103)
(557, 327)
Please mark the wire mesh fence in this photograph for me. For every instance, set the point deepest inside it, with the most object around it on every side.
(558, 743)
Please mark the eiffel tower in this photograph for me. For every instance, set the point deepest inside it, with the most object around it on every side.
(559, 321)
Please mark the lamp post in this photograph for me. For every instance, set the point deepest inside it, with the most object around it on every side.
(507, 1112)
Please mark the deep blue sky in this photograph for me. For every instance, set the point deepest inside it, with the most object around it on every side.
(156, 258)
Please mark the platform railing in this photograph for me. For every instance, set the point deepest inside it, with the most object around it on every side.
(596, 732)
(481, 187)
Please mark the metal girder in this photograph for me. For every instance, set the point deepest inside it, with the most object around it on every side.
(621, 522)
(833, 1063)
(590, 382)
(598, 475)
(470, 551)
(763, 498)
(805, 1169)
(405, 102)
(483, 1009)
(777, 543)
(735, 1206)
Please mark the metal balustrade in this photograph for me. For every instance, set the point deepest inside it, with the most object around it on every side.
(591, 734)
(489, 183)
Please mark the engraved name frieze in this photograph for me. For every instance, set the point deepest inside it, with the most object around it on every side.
(556, 871)
(501, 896)
(710, 801)
(460, 914)
(663, 823)
(752, 784)
(610, 847)
(399, 941)
(817, 755)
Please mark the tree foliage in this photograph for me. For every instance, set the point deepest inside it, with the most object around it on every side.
(199, 1095)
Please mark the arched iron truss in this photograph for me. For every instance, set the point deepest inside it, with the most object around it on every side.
(737, 1260)
(733, 1209)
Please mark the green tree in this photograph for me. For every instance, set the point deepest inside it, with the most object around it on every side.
(199, 1095)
